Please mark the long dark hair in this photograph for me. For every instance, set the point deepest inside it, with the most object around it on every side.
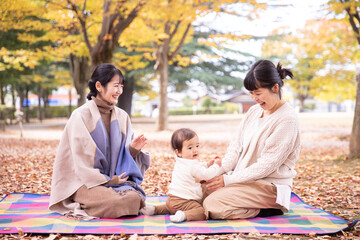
(264, 74)
(103, 73)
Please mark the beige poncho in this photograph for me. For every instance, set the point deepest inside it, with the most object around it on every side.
(88, 156)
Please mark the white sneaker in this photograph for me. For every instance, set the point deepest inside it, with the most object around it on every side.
(178, 217)
(148, 210)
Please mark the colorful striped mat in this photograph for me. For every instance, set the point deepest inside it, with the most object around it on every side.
(29, 213)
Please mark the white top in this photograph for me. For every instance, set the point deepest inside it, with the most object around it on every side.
(265, 148)
(186, 177)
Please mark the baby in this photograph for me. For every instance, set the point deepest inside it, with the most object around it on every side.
(185, 193)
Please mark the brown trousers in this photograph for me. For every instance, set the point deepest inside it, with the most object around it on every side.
(104, 202)
(240, 200)
(192, 208)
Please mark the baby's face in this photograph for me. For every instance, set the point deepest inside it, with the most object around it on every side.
(190, 149)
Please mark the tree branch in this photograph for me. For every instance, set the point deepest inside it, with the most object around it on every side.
(356, 15)
(181, 43)
(171, 35)
(353, 24)
(82, 22)
(84, 6)
(124, 23)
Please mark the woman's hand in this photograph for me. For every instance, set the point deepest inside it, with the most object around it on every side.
(215, 183)
(139, 142)
(121, 179)
(118, 179)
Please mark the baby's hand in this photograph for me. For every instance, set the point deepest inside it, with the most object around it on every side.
(216, 160)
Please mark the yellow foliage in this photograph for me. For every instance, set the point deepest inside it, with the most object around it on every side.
(18, 15)
(129, 63)
(181, 61)
(319, 53)
(336, 86)
(18, 59)
(62, 78)
(162, 36)
(160, 24)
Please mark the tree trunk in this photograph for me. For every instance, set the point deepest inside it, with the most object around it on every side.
(27, 112)
(355, 133)
(69, 109)
(80, 72)
(302, 105)
(13, 97)
(39, 92)
(45, 97)
(162, 73)
(125, 99)
(113, 25)
(20, 92)
(2, 94)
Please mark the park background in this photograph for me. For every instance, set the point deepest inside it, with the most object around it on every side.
(184, 62)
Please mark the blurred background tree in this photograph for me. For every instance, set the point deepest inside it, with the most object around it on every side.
(349, 11)
(317, 55)
(93, 30)
(27, 45)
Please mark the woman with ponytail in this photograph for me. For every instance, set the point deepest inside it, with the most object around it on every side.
(99, 165)
(258, 168)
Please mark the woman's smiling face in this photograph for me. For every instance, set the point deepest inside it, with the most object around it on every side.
(267, 99)
(111, 92)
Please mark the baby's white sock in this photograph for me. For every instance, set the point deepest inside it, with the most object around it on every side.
(178, 217)
(148, 210)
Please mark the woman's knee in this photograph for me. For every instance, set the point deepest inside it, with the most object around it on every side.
(210, 203)
(212, 208)
(133, 198)
(128, 204)
(215, 208)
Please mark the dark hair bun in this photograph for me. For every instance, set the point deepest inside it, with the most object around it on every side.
(283, 72)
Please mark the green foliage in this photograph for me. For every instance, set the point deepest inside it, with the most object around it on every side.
(207, 103)
(52, 111)
(187, 101)
(309, 106)
(7, 113)
(58, 111)
(210, 65)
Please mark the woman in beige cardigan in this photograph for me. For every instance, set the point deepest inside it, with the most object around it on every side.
(99, 165)
(259, 164)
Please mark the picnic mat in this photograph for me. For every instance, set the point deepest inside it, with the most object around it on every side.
(29, 213)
